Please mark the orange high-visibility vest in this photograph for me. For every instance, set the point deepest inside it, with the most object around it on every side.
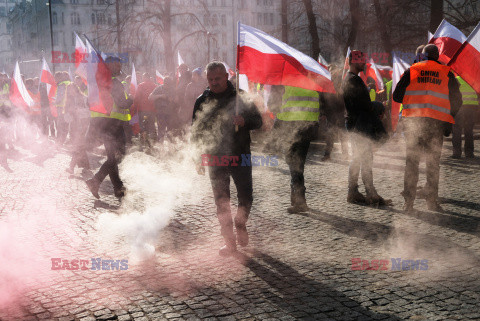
(428, 94)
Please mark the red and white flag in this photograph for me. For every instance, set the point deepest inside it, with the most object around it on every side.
(159, 77)
(429, 36)
(81, 55)
(346, 65)
(47, 78)
(99, 82)
(230, 71)
(466, 62)
(19, 95)
(399, 67)
(133, 81)
(448, 39)
(385, 71)
(267, 60)
(179, 59)
(322, 61)
(373, 72)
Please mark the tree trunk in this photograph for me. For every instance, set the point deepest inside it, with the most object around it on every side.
(312, 29)
(284, 21)
(436, 14)
(167, 37)
(382, 26)
(355, 18)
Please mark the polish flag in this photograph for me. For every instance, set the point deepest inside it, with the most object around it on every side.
(133, 81)
(267, 60)
(322, 61)
(430, 36)
(230, 71)
(81, 56)
(47, 78)
(466, 62)
(385, 71)
(159, 77)
(99, 82)
(399, 67)
(373, 72)
(19, 95)
(346, 65)
(448, 39)
(179, 59)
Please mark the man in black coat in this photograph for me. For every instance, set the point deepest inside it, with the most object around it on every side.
(362, 119)
(225, 150)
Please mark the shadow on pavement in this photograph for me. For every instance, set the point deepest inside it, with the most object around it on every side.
(461, 203)
(301, 296)
(375, 232)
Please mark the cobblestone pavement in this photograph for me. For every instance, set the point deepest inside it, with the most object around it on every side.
(296, 266)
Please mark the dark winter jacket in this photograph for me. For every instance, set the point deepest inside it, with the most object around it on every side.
(213, 129)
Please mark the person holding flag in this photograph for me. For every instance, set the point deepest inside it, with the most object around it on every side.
(113, 104)
(216, 114)
(431, 98)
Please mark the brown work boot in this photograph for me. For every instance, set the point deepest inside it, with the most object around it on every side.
(355, 197)
(434, 205)
(298, 201)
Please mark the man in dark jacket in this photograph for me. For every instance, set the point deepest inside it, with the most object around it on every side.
(360, 121)
(429, 105)
(222, 133)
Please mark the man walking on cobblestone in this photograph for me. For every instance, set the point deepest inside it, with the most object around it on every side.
(112, 134)
(214, 132)
(431, 98)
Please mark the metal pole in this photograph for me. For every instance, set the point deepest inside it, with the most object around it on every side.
(49, 3)
(208, 46)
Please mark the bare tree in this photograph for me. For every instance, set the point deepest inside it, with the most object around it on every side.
(312, 28)
(355, 19)
(436, 13)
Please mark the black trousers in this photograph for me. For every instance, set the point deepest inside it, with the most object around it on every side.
(112, 135)
(297, 137)
(464, 121)
(220, 179)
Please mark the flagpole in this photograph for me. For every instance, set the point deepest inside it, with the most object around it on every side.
(237, 83)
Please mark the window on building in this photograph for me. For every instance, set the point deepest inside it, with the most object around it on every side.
(223, 3)
(214, 20)
(93, 18)
(54, 18)
(265, 18)
(271, 19)
(74, 18)
(259, 2)
(206, 19)
(2, 11)
(63, 20)
(73, 39)
(224, 20)
(259, 18)
(214, 3)
(74, 1)
(100, 18)
(224, 38)
(100, 1)
(110, 22)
